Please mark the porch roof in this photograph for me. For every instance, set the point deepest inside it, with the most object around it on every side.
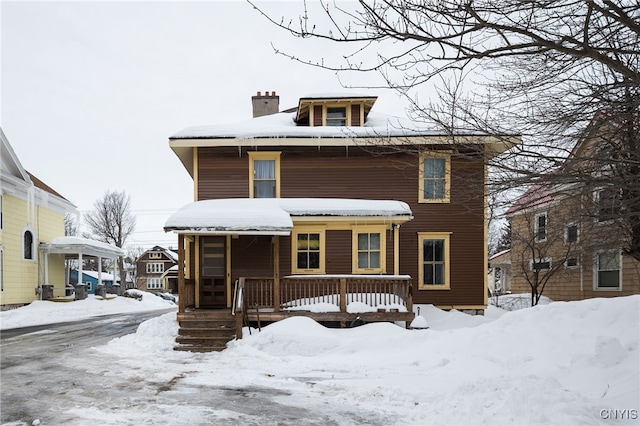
(275, 216)
(86, 246)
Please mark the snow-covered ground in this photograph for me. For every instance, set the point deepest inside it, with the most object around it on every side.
(560, 363)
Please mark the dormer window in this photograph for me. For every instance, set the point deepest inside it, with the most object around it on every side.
(336, 116)
(334, 111)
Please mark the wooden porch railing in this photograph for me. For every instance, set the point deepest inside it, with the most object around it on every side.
(300, 291)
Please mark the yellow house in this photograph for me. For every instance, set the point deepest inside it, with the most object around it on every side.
(31, 213)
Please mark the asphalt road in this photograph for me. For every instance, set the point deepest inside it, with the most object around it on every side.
(51, 374)
(38, 365)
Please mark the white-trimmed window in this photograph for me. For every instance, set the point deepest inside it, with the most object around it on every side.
(433, 260)
(308, 250)
(155, 268)
(155, 255)
(608, 204)
(264, 174)
(571, 234)
(572, 262)
(154, 283)
(539, 265)
(541, 227)
(608, 271)
(368, 251)
(435, 177)
(28, 245)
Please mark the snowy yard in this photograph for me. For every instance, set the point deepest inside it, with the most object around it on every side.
(561, 363)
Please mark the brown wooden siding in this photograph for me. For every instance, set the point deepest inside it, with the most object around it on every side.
(341, 172)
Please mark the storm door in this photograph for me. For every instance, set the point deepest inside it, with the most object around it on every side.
(213, 282)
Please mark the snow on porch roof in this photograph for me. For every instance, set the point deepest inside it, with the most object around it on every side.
(272, 216)
(86, 246)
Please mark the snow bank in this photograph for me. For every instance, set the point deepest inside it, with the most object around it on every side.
(46, 312)
(561, 363)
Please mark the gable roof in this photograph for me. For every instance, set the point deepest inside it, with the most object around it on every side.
(19, 182)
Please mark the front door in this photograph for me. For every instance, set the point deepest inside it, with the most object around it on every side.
(213, 282)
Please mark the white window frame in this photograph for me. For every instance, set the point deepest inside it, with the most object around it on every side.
(155, 268)
(566, 233)
(34, 255)
(536, 227)
(155, 284)
(577, 265)
(596, 199)
(542, 260)
(596, 270)
(155, 255)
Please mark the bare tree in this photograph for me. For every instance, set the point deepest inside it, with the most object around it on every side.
(552, 71)
(112, 222)
(70, 225)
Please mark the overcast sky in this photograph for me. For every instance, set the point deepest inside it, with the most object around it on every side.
(91, 91)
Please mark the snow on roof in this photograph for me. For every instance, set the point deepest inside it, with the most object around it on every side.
(87, 246)
(94, 274)
(273, 215)
(282, 125)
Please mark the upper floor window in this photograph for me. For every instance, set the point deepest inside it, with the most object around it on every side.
(264, 175)
(155, 268)
(607, 203)
(336, 116)
(155, 255)
(435, 178)
(369, 251)
(608, 267)
(571, 234)
(541, 227)
(433, 258)
(27, 245)
(308, 251)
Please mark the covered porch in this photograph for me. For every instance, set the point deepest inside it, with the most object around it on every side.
(74, 248)
(264, 260)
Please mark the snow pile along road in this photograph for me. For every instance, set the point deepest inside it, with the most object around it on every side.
(562, 363)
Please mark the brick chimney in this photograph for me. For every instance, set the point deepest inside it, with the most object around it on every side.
(266, 104)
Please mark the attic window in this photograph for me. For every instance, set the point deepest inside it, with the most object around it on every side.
(336, 116)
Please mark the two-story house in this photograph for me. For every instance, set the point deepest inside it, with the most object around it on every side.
(332, 196)
(33, 247)
(153, 270)
(567, 231)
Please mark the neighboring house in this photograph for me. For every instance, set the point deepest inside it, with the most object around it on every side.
(33, 247)
(153, 268)
(333, 195)
(567, 236)
(500, 273)
(93, 279)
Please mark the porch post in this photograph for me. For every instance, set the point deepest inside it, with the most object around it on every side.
(182, 302)
(276, 273)
(396, 249)
(80, 272)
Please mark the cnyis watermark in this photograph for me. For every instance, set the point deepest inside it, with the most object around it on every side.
(618, 414)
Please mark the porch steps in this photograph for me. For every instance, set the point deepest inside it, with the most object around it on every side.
(205, 330)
